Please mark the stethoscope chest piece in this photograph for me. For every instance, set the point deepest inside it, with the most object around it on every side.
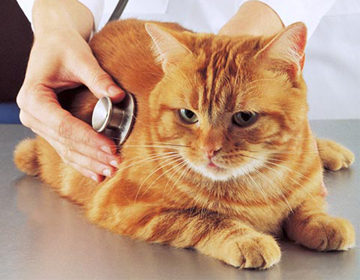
(114, 120)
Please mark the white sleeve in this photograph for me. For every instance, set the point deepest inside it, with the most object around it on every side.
(95, 6)
(308, 11)
(26, 6)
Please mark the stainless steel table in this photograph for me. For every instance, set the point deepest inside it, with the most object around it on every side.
(43, 236)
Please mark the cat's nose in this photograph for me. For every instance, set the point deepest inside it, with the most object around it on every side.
(210, 152)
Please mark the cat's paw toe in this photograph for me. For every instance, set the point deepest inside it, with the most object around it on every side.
(334, 156)
(258, 252)
(329, 234)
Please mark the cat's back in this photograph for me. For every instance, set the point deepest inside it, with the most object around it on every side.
(124, 50)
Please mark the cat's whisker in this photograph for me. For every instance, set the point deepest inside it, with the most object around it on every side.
(159, 167)
(181, 175)
(295, 182)
(279, 165)
(276, 188)
(146, 161)
(169, 144)
(150, 154)
(156, 146)
(164, 173)
(143, 123)
(272, 191)
(289, 169)
(247, 175)
(146, 155)
(273, 152)
(176, 162)
(172, 175)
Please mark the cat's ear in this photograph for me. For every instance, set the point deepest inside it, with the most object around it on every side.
(286, 50)
(168, 49)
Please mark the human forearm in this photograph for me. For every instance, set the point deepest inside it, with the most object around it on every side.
(54, 17)
(253, 18)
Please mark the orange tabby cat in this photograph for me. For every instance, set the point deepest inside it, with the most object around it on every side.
(221, 157)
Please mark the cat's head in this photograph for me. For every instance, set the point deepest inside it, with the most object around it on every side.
(230, 102)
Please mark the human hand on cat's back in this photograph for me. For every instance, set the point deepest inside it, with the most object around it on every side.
(253, 18)
(61, 59)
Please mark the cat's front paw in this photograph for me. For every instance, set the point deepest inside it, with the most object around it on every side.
(333, 155)
(258, 251)
(325, 233)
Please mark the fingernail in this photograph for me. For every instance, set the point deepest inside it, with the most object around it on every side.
(106, 150)
(113, 90)
(107, 173)
(114, 163)
(95, 178)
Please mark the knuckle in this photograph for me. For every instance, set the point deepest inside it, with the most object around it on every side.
(91, 165)
(24, 119)
(87, 138)
(64, 153)
(64, 160)
(67, 154)
(100, 77)
(76, 167)
(101, 157)
(65, 129)
(27, 95)
(95, 166)
(22, 98)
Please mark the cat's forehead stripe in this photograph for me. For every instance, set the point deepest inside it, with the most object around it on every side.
(216, 77)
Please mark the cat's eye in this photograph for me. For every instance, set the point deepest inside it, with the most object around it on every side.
(188, 116)
(244, 119)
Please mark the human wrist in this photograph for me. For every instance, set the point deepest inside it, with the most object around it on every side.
(253, 18)
(52, 16)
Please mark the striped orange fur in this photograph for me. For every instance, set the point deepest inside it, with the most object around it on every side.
(224, 189)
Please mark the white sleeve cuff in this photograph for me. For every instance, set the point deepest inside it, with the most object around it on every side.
(26, 6)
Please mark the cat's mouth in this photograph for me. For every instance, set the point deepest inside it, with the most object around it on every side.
(218, 172)
(213, 166)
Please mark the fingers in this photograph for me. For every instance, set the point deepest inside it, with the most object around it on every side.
(99, 82)
(87, 166)
(44, 107)
(87, 173)
(71, 151)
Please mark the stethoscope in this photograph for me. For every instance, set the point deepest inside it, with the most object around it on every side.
(115, 120)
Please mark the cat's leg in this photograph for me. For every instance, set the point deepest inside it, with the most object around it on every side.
(228, 240)
(333, 155)
(312, 227)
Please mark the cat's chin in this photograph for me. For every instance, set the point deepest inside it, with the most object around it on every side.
(219, 173)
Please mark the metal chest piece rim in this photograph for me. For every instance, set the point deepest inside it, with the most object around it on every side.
(114, 120)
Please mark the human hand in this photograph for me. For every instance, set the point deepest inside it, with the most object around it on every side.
(253, 18)
(59, 60)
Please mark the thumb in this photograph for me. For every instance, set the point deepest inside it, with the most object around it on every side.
(99, 82)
